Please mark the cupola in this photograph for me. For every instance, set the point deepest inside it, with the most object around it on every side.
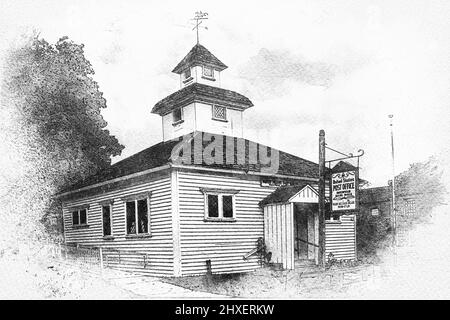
(201, 104)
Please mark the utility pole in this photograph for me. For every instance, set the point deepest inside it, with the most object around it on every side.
(322, 198)
(394, 209)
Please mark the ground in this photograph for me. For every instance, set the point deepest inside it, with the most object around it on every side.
(417, 270)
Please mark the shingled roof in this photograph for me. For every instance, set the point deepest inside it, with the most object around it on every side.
(160, 154)
(199, 55)
(204, 93)
(342, 166)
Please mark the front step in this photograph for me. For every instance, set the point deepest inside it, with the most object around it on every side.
(276, 266)
(299, 263)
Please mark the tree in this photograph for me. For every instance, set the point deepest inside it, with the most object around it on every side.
(423, 179)
(54, 132)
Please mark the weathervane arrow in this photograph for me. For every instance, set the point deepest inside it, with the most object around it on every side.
(199, 16)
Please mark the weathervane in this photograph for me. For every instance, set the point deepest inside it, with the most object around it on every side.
(199, 16)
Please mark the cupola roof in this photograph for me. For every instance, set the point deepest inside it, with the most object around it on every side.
(199, 55)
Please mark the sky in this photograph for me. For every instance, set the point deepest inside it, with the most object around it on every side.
(341, 66)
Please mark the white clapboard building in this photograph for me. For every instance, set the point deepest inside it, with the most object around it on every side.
(204, 198)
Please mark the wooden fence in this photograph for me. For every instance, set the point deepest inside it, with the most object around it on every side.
(101, 256)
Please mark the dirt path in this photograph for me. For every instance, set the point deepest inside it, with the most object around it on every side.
(145, 287)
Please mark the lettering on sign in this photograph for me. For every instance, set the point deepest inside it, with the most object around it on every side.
(343, 191)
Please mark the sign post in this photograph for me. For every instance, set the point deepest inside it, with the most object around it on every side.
(322, 198)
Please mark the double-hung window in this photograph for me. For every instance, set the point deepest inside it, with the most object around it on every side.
(138, 214)
(219, 204)
(79, 217)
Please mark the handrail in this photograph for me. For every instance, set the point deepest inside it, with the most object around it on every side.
(304, 241)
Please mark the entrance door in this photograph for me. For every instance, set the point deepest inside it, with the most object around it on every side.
(305, 231)
(301, 234)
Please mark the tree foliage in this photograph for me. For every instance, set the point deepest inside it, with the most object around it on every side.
(423, 179)
(53, 129)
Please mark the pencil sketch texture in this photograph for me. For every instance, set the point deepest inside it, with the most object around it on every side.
(298, 153)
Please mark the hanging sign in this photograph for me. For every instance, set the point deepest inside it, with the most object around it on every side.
(343, 191)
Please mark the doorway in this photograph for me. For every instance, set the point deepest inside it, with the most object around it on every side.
(304, 231)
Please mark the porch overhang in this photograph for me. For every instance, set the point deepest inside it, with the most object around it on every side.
(303, 193)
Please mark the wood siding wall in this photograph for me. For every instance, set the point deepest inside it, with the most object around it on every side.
(159, 246)
(279, 233)
(340, 238)
(224, 243)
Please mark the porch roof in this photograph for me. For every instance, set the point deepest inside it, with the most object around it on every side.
(283, 194)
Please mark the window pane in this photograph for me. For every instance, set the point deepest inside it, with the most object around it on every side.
(227, 206)
(213, 206)
(176, 115)
(142, 216)
(75, 219)
(219, 112)
(106, 220)
(83, 216)
(131, 217)
(187, 73)
(336, 217)
(208, 72)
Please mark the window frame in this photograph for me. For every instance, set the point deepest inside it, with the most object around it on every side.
(220, 193)
(216, 118)
(209, 77)
(372, 210)
(181, 120)
(330, 217)
(410, 206)
(187, 74)
(135, 198)
(78, 211)
(109, 204)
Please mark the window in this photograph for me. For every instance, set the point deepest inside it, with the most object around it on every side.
(137, 216)
(187, 74)
(208, 72)
(219, 204)
(213, 206)
(375, 212)
(177, 115)
(227, 205)
(79, 217)
(107, 219)
(331, 216)
(219, 113)
(410, 207)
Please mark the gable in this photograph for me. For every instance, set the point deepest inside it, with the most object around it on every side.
(306, 195)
